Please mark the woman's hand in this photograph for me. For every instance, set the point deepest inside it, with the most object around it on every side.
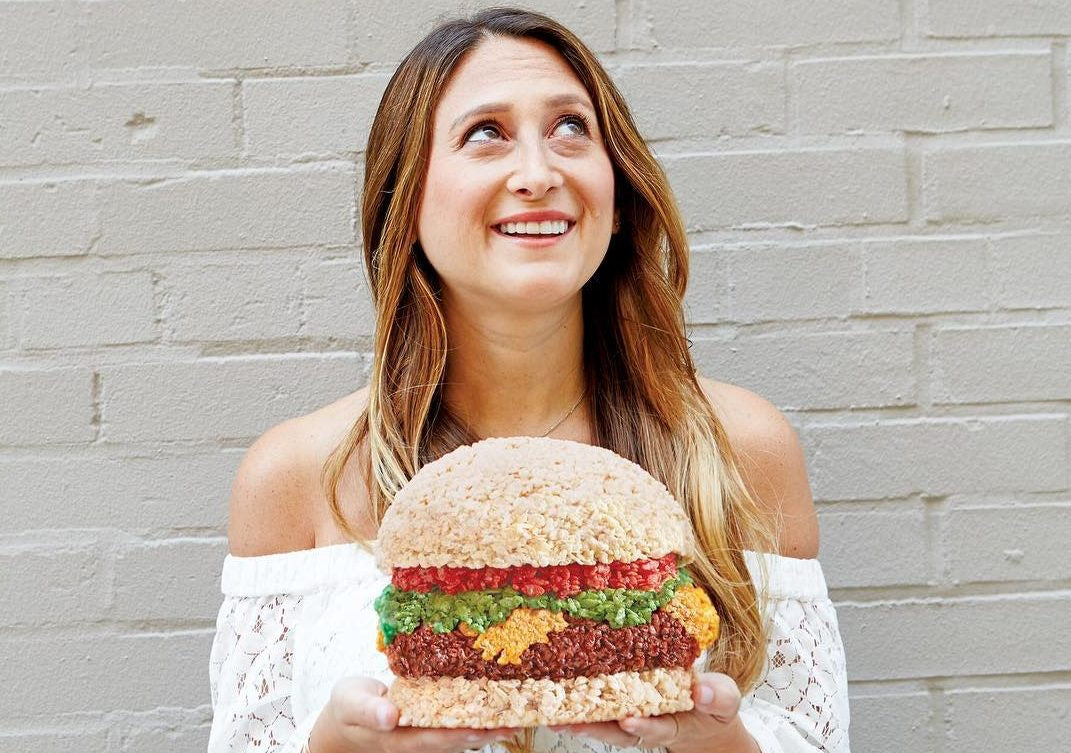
(714, 725)
(360, 718)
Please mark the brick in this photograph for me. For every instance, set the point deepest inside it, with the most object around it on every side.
(41, 41)
(725, 23)
(169, 580)
(204, 34)
(925, 93)
(787, 282)
(268, 208)
(118, 122)
(224, 398)
(52, 406)
(811, 371)
(1000, 364)
(337, 301)
(994, 18)
(790, 187)
(956, 637)
(1032, 271)
(1004, 543)
(236, 301)
(61, 741)
(912, 275)
(28, 213)
(6, 338)
(594, 21)
(704, 100)
(49, 585)
(107, 309)
(170, 739)
(995, 182)
(137, 494)
(320, 115)
(851, 559)
(89, 664)
(893, 722)
(707, 298)
(937, 456)
(977, 718)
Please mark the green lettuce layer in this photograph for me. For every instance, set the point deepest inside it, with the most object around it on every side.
(404, 611)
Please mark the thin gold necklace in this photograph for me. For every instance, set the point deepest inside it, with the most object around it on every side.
(569, 413)
(557, 423)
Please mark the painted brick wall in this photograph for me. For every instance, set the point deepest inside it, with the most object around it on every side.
(879, 199)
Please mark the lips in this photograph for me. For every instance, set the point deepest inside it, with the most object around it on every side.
(536, 216)
(538, 225)
(546, 227)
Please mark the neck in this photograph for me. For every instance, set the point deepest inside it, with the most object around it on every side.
(517, 376)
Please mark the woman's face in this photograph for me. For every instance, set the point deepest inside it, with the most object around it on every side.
(518, 201)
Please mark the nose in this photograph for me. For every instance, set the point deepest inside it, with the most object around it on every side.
(534, 175)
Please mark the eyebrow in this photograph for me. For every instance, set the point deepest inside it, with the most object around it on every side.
(558, 101)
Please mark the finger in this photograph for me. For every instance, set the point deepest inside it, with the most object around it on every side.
(430, 739)
(591, 729)
(363, 702)
(609, 732)
(717, 695)
(656, 731)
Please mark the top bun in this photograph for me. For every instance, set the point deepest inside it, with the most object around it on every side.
(531, 501)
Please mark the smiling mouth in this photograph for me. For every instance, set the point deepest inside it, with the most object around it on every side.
(545, 229)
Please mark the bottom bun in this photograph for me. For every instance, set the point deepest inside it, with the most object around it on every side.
(485, 704)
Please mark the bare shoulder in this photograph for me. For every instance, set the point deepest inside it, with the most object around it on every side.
(771, 460)
(277, 502)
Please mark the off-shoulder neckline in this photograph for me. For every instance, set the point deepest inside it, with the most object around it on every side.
(306, 571)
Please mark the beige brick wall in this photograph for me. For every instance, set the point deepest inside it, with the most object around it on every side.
(878, 194)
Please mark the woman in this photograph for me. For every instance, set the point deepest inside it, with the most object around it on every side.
(527, 263)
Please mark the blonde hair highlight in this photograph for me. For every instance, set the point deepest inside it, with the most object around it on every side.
(643, 394)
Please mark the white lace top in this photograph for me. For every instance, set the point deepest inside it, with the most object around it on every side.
(293, 624)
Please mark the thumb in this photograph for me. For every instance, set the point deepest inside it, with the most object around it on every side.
(717, 695)
(363, 702)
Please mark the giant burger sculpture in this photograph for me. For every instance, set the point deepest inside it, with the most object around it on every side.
(538, 582)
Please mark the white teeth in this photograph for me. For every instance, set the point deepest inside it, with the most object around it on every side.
(546, 227)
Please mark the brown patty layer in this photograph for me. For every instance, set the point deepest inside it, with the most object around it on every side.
(585, 648)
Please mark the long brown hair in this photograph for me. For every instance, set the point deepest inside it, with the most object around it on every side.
(643, 395)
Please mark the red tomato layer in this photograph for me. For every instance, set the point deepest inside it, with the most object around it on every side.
(561, 580)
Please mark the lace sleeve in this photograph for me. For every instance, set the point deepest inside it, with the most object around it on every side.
(801, 705)
(250, 672)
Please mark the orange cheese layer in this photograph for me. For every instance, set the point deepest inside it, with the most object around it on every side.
(508, 640)
(692, 608)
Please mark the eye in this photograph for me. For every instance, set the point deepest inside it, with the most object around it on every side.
(571, 125)
(483, 132)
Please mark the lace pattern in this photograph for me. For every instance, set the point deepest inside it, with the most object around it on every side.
(277, 655)
(251, 673)
(804, 693)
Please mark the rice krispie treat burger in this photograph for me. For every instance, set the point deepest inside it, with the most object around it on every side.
(538, 582)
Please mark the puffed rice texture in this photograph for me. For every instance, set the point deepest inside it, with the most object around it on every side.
(531, 501)
(487, 704)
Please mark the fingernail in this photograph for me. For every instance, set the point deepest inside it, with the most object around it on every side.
(383, 716)
(705, 694)
(630, 725)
